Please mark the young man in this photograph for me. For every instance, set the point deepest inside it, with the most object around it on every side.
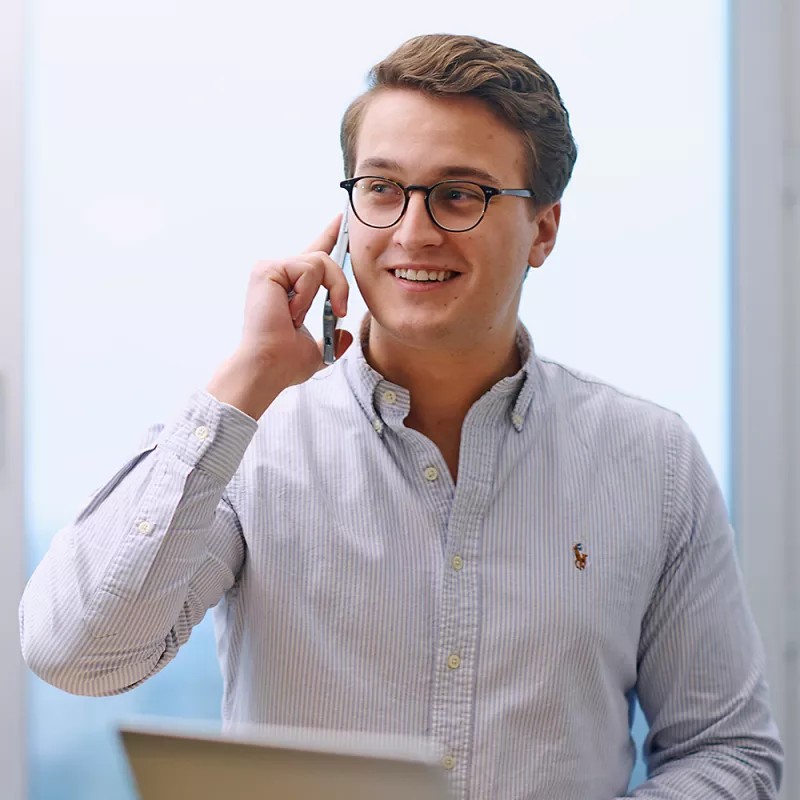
(443, 535)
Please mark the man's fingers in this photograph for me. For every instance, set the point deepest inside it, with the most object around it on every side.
(332, 278)
(305, 275)
(336, 282)
(327, 239)
(305, 289)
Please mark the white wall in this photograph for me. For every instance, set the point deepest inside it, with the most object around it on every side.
(171, 144)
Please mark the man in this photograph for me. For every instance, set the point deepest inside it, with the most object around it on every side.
(443, 535)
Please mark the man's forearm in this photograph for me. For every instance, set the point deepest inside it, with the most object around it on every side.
(744, 772)
(107, 607)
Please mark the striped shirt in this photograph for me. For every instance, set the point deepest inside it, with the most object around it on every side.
(583, 559)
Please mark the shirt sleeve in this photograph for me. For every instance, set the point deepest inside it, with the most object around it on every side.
(701, 677)
(121, 588)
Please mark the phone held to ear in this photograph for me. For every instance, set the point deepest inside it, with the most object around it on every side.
(329, 319)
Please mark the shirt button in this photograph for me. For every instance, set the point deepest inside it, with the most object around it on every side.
(453, 661)
(516, 419)
(449, 762)
(377, 424)
(457, 563)
(201, 432)
(431, 474)
(145, 527)
(389, 397)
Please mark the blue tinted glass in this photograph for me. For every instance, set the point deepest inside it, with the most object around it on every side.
(74, 750)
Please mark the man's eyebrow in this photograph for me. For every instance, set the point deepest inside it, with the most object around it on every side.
(447, 172)
(469, 172)
(380, 163)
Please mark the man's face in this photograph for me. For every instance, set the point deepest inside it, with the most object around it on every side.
(415, 139)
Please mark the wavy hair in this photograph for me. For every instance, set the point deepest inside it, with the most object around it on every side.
(512, 84)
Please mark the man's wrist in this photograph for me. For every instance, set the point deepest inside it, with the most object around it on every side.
(244, 384)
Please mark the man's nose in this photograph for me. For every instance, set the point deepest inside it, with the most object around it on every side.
(416, 229)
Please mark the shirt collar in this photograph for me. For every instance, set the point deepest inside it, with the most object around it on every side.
(385, 403)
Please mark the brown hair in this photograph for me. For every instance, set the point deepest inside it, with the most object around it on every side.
(512, 84)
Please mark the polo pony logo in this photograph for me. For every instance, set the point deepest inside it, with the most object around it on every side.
(580, 556)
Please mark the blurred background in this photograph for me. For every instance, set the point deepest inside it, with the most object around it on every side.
(151, 152)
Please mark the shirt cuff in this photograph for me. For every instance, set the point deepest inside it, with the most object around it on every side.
(210, 435)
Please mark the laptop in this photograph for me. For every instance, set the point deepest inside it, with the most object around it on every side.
(276, 763)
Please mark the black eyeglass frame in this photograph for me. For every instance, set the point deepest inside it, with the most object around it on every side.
(488, 193)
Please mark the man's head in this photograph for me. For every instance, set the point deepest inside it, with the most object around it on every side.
(456, 107)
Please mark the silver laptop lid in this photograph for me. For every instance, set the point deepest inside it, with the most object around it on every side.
(170, 761)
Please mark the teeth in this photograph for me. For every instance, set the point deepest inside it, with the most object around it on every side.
(423, 275)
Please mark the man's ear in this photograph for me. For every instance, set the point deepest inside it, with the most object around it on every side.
(547, 221)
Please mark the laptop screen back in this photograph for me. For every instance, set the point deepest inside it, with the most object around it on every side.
(167, 766)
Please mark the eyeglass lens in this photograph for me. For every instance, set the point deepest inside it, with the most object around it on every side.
(456, 206)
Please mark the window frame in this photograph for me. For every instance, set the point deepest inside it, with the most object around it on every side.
(13, 721)
(765, 390)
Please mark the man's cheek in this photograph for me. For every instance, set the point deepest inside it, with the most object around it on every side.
(362, 255)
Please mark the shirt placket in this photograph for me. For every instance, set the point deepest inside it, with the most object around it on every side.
(453, 694)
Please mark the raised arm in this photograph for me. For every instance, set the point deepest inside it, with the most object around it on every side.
(121, 588)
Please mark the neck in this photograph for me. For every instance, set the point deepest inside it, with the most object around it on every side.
(443, 383)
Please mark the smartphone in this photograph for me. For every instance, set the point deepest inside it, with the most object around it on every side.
(329, 319)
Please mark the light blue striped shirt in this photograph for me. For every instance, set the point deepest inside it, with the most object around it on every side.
(583, 558)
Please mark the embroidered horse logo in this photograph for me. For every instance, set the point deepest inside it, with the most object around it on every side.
(580, 556)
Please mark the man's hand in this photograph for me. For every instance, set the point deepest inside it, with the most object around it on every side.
(276, 350)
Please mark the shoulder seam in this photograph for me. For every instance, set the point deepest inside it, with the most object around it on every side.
(603, 384)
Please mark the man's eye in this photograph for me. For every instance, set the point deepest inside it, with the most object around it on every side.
(382, 188)
(460, 194)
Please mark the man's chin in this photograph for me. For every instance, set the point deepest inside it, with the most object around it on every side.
(417, 331)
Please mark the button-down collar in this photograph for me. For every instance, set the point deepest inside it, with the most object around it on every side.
(388, 404)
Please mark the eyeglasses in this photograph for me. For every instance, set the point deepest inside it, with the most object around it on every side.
(454, 206)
